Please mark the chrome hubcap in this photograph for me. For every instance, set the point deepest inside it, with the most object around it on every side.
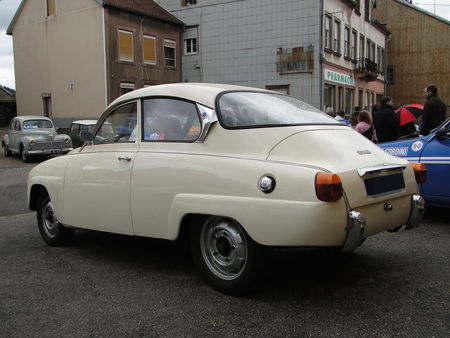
(224, 248)
(49, 220)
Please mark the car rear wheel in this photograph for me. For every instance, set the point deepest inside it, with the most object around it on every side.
(23, 154)
(225, 255)
(52, 231)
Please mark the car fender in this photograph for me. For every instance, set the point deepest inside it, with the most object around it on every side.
(49, 175)
(24, 141)
(61, 137)
(5, 139)
(268, 221)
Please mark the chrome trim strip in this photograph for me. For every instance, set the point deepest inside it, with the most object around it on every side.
(208, 117)
(363, 171)
(208, 155)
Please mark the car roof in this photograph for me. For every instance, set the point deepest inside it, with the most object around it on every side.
(85, 122)
(32, 117)
(204, 93)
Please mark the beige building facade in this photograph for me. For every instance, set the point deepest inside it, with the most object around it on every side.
(69, 60)
(419, 51)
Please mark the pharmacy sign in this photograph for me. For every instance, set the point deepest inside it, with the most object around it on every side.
(339, 77)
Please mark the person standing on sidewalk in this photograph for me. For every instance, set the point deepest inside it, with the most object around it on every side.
(365, 126)
(385, 122)
(434, 111)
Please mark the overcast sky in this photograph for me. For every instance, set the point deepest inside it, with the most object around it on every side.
(9, 7)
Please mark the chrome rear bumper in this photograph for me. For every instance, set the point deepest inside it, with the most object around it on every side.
(417, 212)
(357, 223)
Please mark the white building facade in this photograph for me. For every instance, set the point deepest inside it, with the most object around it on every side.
(283, 45)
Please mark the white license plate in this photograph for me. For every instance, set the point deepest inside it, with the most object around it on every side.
(52, 151)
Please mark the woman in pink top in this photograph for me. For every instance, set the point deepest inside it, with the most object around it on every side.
(365, 126)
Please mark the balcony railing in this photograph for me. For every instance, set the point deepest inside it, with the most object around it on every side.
(366, 65)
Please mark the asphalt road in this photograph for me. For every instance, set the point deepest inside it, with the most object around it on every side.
(117, 286)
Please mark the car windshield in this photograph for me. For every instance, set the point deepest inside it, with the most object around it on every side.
(250, 110)
(35, 124)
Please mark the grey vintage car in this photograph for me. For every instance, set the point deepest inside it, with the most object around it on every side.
(34, 135)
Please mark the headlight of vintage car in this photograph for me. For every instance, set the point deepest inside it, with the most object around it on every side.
(67, 140)
(32, 142)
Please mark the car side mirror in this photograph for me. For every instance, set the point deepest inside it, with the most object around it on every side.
(86, 136)
(441, 133)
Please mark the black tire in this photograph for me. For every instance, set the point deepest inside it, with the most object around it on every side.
(6, 151)
(52, 232)
(23, 155)
(395, 229)
(226, 256)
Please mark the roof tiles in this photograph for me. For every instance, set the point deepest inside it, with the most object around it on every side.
(144, 7)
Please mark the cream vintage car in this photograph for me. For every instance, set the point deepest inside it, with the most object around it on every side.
(235, 170)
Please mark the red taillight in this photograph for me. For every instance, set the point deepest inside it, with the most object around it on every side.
(328, 187)
(420, 171)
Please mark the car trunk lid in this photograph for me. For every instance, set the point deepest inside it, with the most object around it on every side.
(367, 172)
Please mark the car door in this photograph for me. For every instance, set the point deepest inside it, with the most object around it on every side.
(97, 180)
(14, 135)
(163, 164)
(436, 157)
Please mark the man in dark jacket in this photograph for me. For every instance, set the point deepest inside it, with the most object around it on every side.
(434, 111)
(385, 121)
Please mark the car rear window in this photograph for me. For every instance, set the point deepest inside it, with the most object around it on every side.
(253, 109)
(35, 124)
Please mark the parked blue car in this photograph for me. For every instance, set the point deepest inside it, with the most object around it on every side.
(434, 151)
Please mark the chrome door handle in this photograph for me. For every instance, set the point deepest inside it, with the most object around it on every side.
(124, 158)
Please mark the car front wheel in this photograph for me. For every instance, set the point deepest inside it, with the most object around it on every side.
(6, 151)
(52, 231)
(225, 255)
(23, 154)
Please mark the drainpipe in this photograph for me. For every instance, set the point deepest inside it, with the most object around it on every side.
(386, 42)
(387, 38)
(200, 44)
(321, 56)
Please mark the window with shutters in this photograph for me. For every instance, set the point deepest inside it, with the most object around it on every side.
(149, 49)
(354, 45)
(327, 30)
(190, 41)
(169, 53)
(347, 42)
(51, 7)
(125, 41)
(337, 36)
(126, 87)
(362, 42)
(188, 2)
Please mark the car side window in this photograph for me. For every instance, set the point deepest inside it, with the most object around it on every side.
(75, 128)
(17, 126)
(119, 126)
(170, 120)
